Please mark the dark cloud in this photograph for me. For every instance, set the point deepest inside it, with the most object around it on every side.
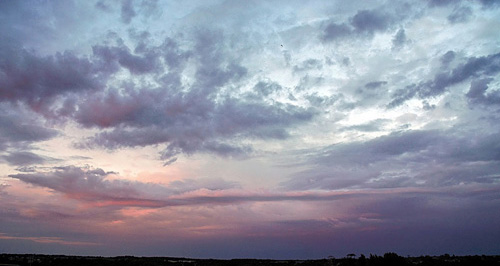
(439, 3)
(19, 129)
(375, 84)
(447, 58)
(81, 183)
(174, 56)
(489, 3)
(200, 118)
(370, 21)
(102, 5)
(37, 80)
(399, 39)
(478, 94)
(460, 14)
(93, 185)
(412, 158)
(266, 88)
(483, 66)
(393, 144)
(364, 22)
(182, 122)
(322, 101)
(24, 158)
(113, 56)
(335, 31)
(127, 11)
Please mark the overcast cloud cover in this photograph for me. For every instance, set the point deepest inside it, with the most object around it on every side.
(267, 129)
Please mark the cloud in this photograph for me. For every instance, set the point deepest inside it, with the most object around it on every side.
(37, 80)
(335, 31)
(375, 84)
(367, 22)
(189, 112)
(439, 3)
(447, 58)
(489, 3)
(113, 56)
(94, 186)
(127, 11)
(370, 21)
(474, 67)
(308, 64)
(199, 117)
(460, 14)
(477, 93)
(399, 39)
(18, 128)
(265, 88)
(48, 240)
(402, 159)
(20, 158)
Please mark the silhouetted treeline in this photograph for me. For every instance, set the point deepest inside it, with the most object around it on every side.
(388, 259)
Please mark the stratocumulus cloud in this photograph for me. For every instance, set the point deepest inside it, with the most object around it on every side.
(249, 129)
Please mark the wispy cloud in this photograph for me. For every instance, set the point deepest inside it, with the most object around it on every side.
(48, 240)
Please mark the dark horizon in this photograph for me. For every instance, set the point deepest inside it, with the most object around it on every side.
(387, 259)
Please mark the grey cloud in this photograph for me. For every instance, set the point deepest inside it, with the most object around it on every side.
(460, 14)
(173, 55)
(307, 82)
(375, 84)
(478, 93)
(439, 3)
(335, 31)
(86, 184)
(127, 11)
(28, 77)
(121, 55)
(393, 144)
(18, 129)
(399, 39)
(402, 95)
(185, 127)
(308, 64)
(267, 88)
(92, 185)
(24, 158)
(201, 117)
(102, 5)
(473, 67)
(489, 3)
(447, 58)
(412, 158)
(364, 22)
(320, 101)
(370, 21)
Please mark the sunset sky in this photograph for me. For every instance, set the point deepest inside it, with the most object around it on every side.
(250, 129)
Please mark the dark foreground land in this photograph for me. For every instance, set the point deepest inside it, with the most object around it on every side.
(388, 259)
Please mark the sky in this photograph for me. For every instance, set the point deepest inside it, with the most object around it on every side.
(249, 129)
